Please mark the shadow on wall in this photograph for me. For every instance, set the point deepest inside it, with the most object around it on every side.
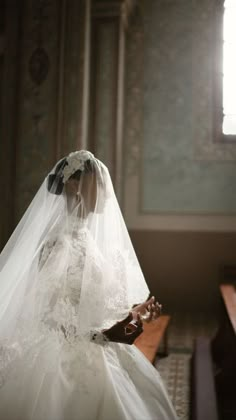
(183, 268)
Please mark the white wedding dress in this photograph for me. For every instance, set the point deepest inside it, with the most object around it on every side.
(62, 375)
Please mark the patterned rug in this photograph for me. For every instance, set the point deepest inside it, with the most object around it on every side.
(175, 368)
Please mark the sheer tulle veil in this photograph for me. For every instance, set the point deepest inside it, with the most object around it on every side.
(37, 260)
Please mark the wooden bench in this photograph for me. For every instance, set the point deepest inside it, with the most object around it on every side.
(153, 334)
(223, 350)
(203, 393)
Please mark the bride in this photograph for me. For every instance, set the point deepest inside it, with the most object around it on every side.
(67, 274)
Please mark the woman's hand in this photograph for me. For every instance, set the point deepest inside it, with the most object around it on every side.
(125, 331)
(148, 310)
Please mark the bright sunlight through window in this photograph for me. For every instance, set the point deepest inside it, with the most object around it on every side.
(229, 68)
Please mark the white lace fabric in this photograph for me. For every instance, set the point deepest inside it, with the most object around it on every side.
(62, 299)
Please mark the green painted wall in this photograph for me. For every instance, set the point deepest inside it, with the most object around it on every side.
(178, 174)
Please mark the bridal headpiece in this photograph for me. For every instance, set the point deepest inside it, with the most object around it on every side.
(75, 161)
(66, 167)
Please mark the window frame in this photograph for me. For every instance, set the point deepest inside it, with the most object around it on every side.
(219, 136)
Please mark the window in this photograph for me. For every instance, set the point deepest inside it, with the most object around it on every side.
(229, 69)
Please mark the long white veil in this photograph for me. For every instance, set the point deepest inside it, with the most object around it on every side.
(69, 266)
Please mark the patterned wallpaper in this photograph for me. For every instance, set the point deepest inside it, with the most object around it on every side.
(181, 167)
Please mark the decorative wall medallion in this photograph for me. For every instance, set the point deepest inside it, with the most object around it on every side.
(39, 65)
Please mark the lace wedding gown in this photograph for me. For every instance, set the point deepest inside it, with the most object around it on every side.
(63, 375)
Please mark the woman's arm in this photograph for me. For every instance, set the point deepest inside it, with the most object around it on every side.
(125, 331)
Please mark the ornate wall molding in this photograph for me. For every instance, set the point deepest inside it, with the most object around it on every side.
(133, 124)
(121, 8)
(103, 97)
(38, 97)
(72, 84)
(39, 64)
(9, 71)
(2, 44)
(127, 9)
(108, 45)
